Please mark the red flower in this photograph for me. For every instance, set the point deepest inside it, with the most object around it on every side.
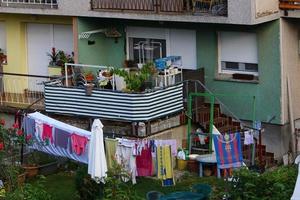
(15, 125)
(28, 137)
(19, 132)
(1, 146)
(2, 122)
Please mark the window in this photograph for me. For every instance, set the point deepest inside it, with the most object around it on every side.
(238, 53)
(144, 50)
(145, 44)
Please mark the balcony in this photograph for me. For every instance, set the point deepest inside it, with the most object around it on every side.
(50, 4)
(85, 94)
(289, 4)
(181, 7)
(22, 90)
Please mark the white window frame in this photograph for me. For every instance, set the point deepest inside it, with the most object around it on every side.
(224, 71)
(156, 33)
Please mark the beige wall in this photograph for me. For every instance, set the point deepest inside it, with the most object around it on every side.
(290, 66)
(266, 7)
(178, 133)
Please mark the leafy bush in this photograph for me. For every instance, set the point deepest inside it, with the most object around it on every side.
(87, 188)
(273, 185)
(30, 192)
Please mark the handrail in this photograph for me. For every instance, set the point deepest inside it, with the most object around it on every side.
(217, 99)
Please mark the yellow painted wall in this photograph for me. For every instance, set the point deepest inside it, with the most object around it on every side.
(16, 48)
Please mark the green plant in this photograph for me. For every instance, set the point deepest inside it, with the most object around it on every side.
(87, 188)
(273, 185)
(135, 80)
(30, 192)
(116, 184)
(59, 57)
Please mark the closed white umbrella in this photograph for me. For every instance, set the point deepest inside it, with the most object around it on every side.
(97, 166)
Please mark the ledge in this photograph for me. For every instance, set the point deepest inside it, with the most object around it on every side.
(230, 79)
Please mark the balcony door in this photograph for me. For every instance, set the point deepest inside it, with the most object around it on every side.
(41, 38)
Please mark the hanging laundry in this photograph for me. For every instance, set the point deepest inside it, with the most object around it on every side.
(51, 148)
(47, 133)
(125, 156)
(61, 138)
(29, 126)
(164, 165)
(78, 143)
(228, 150)
(110, 149)
(144, 162)
(248, 138)
(172, 143)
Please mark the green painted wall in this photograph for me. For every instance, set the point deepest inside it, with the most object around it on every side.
(105, 51)
(267, 91)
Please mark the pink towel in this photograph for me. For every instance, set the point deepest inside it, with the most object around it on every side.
(78, 143)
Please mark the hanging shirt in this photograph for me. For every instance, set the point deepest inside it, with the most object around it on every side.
(78, 143)
(61, 138)
(248, 138)
(38, 129)
(144, 162)
(171, 143)
(47, 133)
(29, 126)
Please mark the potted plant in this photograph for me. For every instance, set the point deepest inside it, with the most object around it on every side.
(58, 58)
(3, 57)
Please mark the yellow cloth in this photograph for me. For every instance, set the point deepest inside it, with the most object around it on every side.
(110, 148)
(164, 162)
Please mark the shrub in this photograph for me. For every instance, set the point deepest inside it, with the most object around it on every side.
(273, 185)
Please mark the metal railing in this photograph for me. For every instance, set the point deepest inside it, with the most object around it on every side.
(21, 90)
(30, 3)
(215, 7)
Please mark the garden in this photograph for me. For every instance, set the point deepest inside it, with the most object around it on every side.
(33, 175)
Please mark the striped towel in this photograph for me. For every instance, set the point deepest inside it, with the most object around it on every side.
(228, 150)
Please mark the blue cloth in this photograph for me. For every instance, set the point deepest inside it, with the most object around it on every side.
(29, 126)
(61, 138)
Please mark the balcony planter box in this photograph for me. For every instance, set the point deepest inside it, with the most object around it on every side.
(49, 168)
(54, 70)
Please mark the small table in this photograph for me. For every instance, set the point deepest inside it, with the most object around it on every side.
(207, 159)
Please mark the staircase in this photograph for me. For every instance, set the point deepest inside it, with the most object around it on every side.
(225, 124)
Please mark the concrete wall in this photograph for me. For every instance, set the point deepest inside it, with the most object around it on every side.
(266, 7)
(105, 51)
(239, 12)
(290, 66)
(267, 89)
(17, 40)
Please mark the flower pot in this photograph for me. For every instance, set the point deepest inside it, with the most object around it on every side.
(89, 89)
(181, 164)
(193, 166)
(31, 171)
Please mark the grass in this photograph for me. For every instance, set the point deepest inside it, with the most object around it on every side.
(61, 186)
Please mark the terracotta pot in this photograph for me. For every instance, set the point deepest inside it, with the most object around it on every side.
(193, 166)
(31, 171)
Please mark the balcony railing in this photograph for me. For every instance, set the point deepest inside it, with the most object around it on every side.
(30, 3)
(289, 4)
(22, 90)
(214, 7)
